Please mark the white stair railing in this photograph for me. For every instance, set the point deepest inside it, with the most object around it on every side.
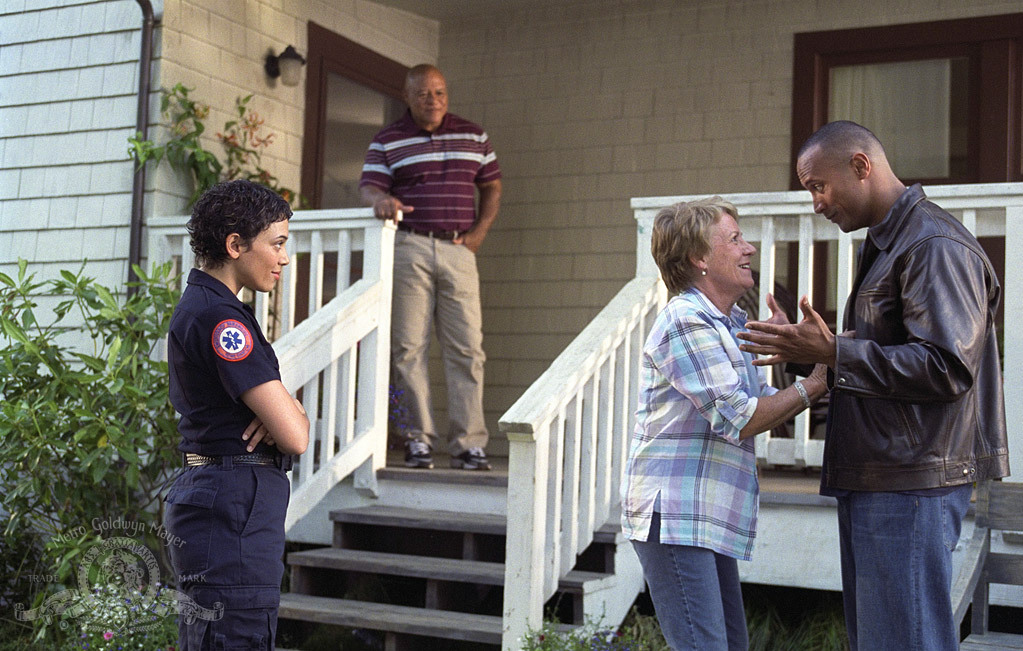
(337, 357)
(567, 440)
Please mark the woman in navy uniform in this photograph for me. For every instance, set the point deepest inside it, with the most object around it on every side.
(238, 423)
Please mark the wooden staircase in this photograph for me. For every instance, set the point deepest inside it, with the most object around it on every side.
(427, 579)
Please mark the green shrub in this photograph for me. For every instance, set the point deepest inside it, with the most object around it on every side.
(103, 626)
(637, 633)
(89, 435)
(778, 619)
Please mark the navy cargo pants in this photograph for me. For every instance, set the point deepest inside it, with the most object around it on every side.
(230, 523)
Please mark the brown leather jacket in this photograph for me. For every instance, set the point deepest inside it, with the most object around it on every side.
(917, 394)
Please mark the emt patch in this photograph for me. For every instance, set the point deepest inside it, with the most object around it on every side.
(232, 340)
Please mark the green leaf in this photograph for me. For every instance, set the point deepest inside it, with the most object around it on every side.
(105, 296)
(13, 331)
(28, 319)
(131, 475)
(98, 471)
(128, 454)
(115, 349)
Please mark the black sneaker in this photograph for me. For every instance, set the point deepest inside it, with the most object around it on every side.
(471, 459)
(417, 455)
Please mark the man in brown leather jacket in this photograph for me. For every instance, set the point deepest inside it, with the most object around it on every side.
(916, 414)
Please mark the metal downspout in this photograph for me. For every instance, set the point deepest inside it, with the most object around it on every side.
(142, 126)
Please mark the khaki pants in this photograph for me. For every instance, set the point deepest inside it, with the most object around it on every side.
(435, 282)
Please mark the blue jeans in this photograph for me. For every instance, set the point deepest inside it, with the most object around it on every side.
(696, 594)
(897, 569)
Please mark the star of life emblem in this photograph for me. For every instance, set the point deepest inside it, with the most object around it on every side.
(232, 340)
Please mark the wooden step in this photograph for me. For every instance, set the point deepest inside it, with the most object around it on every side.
(448, 521)
(991, 641)
(388, 617)
(609, 532)
(442, 475)
(425, 567)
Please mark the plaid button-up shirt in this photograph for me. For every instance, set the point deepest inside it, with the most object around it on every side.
(697, 390)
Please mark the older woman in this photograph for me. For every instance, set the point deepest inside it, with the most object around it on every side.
(689, 501)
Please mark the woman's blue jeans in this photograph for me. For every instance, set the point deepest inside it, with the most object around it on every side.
(696, 595)
(897, 569)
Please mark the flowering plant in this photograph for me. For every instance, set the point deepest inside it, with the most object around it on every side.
(241, 139)
(552, 637)
(399, 418)
(117, 619)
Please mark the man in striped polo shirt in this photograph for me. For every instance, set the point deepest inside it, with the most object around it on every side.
(423, 172)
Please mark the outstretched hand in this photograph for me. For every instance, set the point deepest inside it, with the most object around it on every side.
(809, 341)
(778, 315)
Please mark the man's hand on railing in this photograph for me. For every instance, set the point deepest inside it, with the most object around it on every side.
(384, 205)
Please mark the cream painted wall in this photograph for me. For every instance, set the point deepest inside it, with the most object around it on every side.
(591, 103)
(218, 48)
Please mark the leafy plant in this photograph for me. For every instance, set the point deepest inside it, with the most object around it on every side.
(102, 627)
(89, 437)
(241, 139)
(777, 620)
(637, 633)
(794, 620)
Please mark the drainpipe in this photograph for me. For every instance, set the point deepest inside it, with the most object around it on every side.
(141, 125)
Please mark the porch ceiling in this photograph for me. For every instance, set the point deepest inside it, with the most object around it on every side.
(448, 9)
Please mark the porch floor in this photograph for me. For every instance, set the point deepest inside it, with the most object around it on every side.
(787, 482)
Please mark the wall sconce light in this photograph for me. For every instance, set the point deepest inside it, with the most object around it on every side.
(287, 66)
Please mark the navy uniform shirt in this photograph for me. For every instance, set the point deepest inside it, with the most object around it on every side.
(216, 351)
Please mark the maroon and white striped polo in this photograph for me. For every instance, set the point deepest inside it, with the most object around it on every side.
(435, 173)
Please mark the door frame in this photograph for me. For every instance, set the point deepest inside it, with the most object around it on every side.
(332, 53)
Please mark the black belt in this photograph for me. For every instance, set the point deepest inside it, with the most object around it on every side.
(253, 459)
(439, 235)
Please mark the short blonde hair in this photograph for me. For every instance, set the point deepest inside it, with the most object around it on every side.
(681, 233)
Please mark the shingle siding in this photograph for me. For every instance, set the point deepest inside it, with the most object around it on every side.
(68, 83)
(67, 106)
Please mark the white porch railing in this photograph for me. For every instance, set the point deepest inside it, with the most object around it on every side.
(568, 438)
(569, 432)
(338, 357)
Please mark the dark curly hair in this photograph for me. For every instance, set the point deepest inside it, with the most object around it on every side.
(237, 206)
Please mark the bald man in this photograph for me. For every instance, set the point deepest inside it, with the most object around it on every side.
(424, 171)
(916, 414)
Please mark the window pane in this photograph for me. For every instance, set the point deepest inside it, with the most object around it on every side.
(918, 109)
(354, 114)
